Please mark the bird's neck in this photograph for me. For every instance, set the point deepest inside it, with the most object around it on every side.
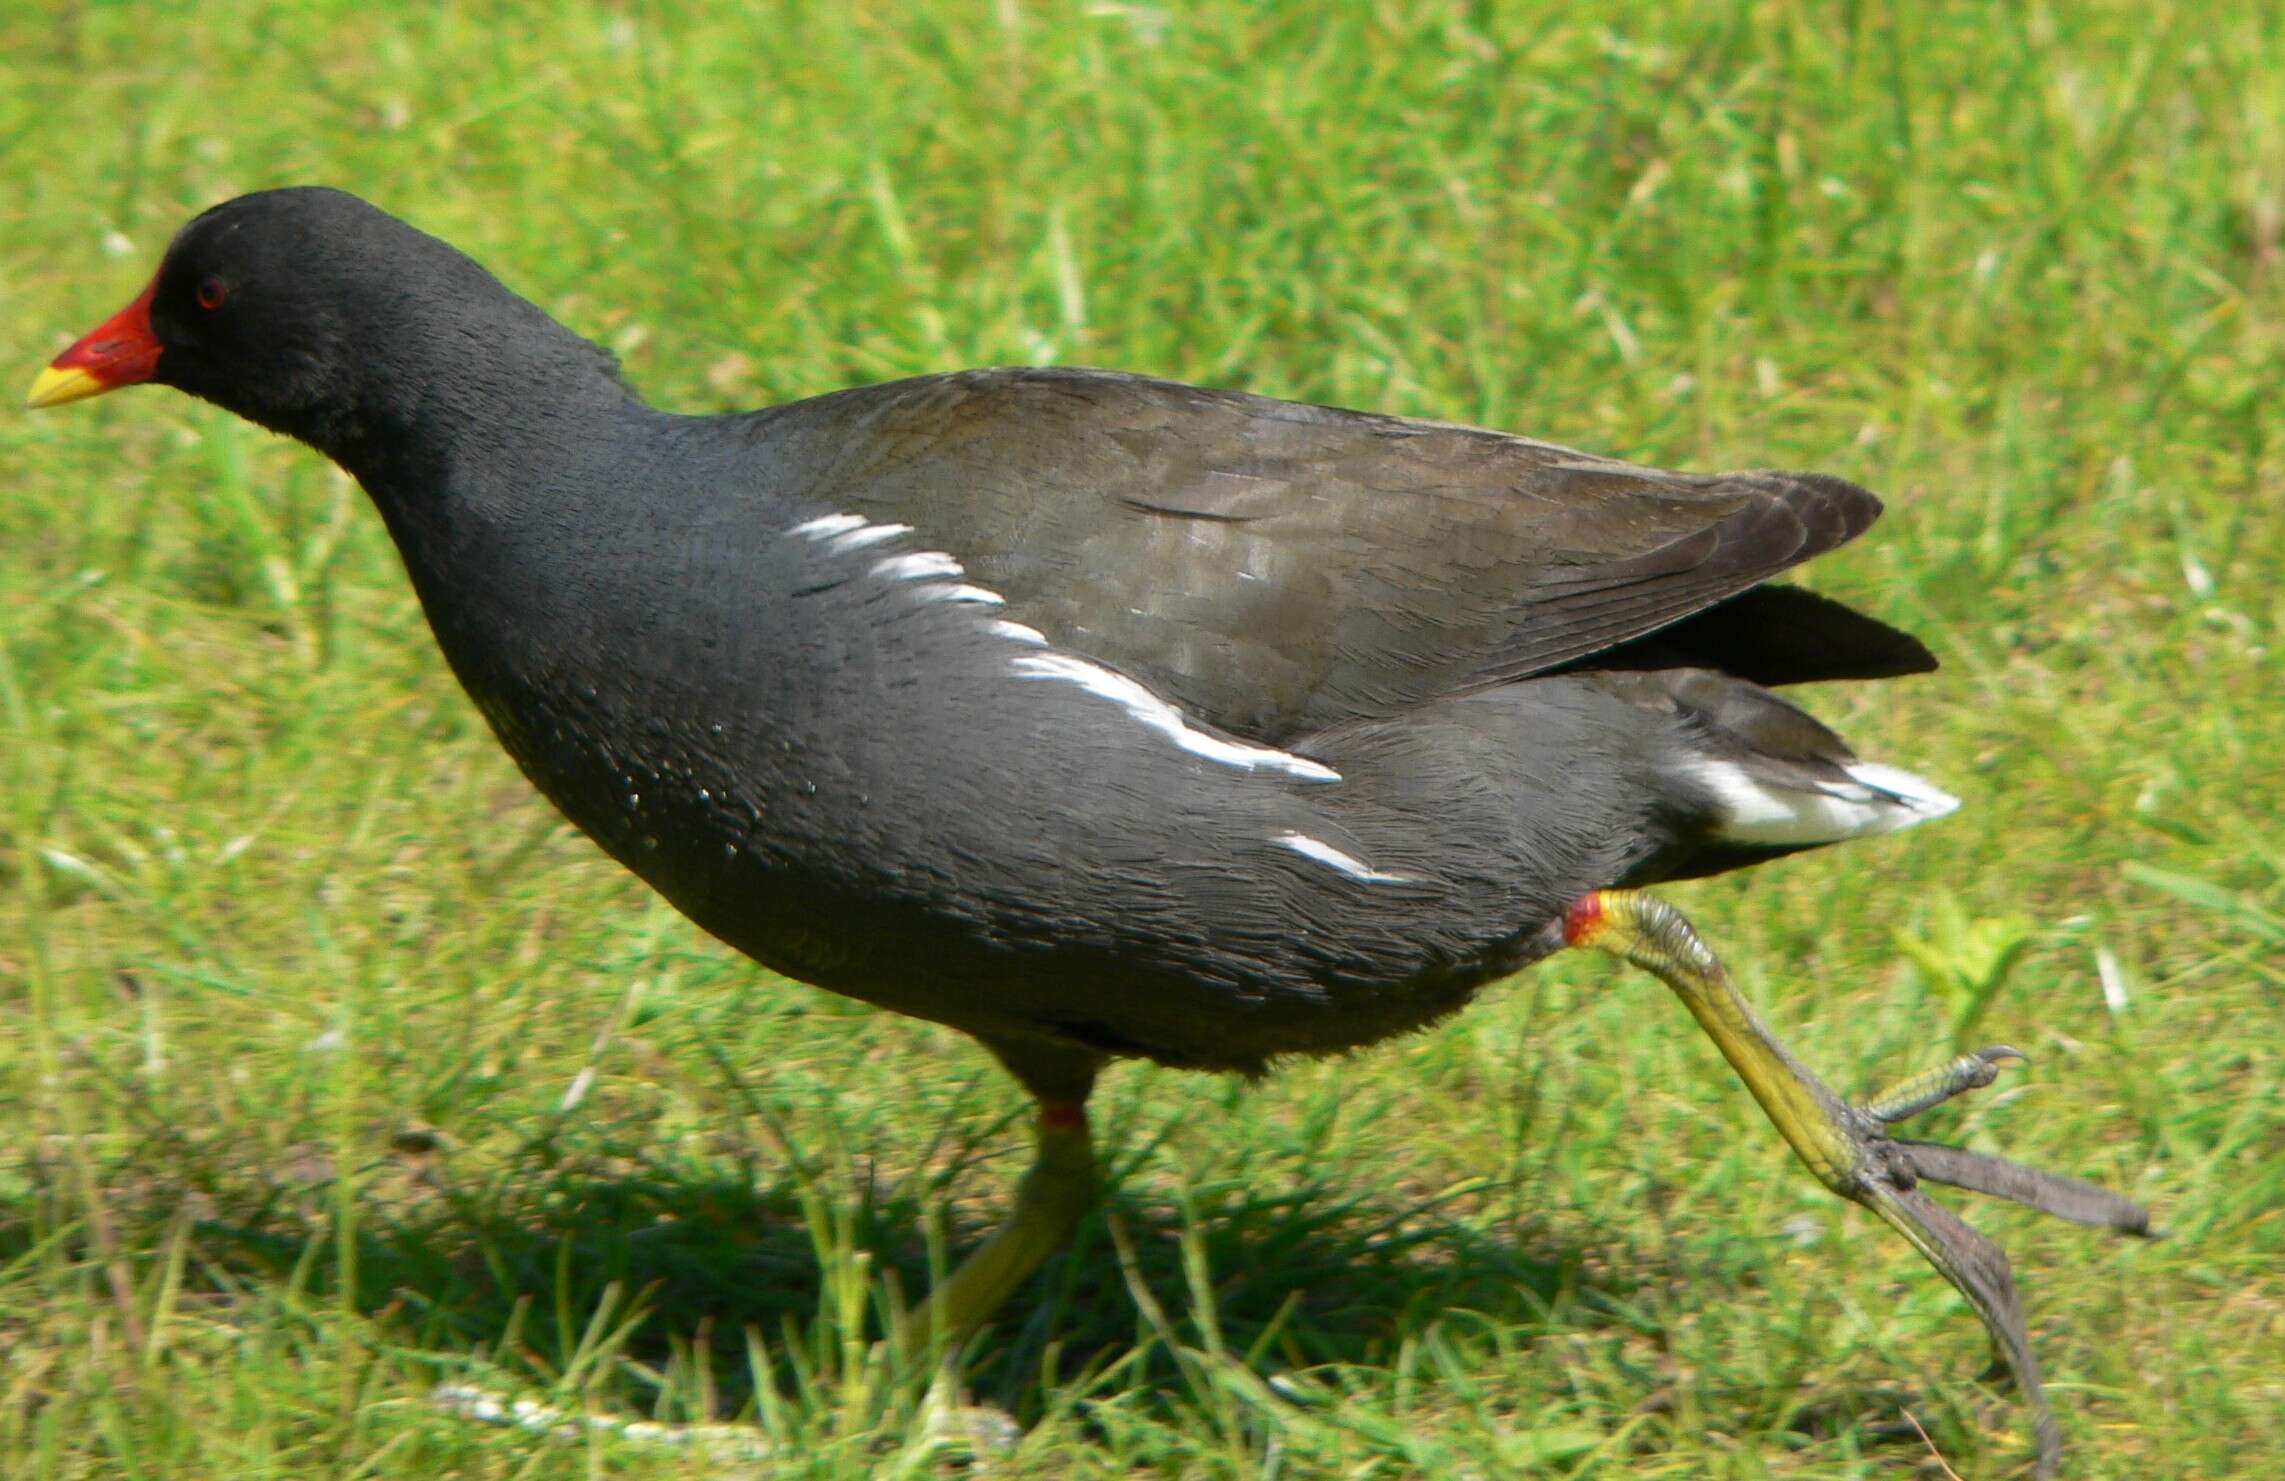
(508, 389)
(504, 455)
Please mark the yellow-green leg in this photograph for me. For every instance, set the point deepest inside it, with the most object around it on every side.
(1054, 1195)
(1848, 1147)
(1058, 1189)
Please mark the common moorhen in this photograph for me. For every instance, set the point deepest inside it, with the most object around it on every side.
(1099, 716)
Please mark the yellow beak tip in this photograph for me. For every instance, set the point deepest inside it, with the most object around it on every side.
(54, 387)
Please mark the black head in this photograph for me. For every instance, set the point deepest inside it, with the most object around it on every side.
(308, 311)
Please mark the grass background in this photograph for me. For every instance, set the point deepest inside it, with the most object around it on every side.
(332, 1066)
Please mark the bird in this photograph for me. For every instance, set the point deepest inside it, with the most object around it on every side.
(1099, 716)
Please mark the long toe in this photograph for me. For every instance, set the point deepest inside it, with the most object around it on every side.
(1849, 1147)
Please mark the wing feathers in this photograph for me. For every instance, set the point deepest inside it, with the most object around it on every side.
(1277, 568)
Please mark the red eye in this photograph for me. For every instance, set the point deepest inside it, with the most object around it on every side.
(211, 292)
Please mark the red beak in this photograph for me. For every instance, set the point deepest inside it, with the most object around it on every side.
(119, 352)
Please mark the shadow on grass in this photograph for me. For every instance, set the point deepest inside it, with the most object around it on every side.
(1304, 1274)
(513, 1272)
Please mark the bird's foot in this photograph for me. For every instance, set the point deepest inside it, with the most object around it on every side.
(952, 1428)
(946, 1428)
(725, 1444)
(1849, 1147)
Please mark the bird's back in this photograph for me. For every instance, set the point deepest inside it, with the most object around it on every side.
(1278, 568)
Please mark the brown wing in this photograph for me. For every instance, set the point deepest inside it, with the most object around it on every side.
(1275, 567)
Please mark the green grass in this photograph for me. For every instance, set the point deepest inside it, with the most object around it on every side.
(333, 1067)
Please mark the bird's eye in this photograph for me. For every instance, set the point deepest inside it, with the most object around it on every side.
(212, 291)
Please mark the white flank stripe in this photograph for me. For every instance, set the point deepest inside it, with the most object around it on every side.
(983, 596)
(827, 524)
(1164, 718)
(1016, 630)
(917, 565)
(858, 539)
(1876, 799)
(1349, 864)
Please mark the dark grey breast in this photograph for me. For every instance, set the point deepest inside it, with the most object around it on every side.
(1275, 568)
